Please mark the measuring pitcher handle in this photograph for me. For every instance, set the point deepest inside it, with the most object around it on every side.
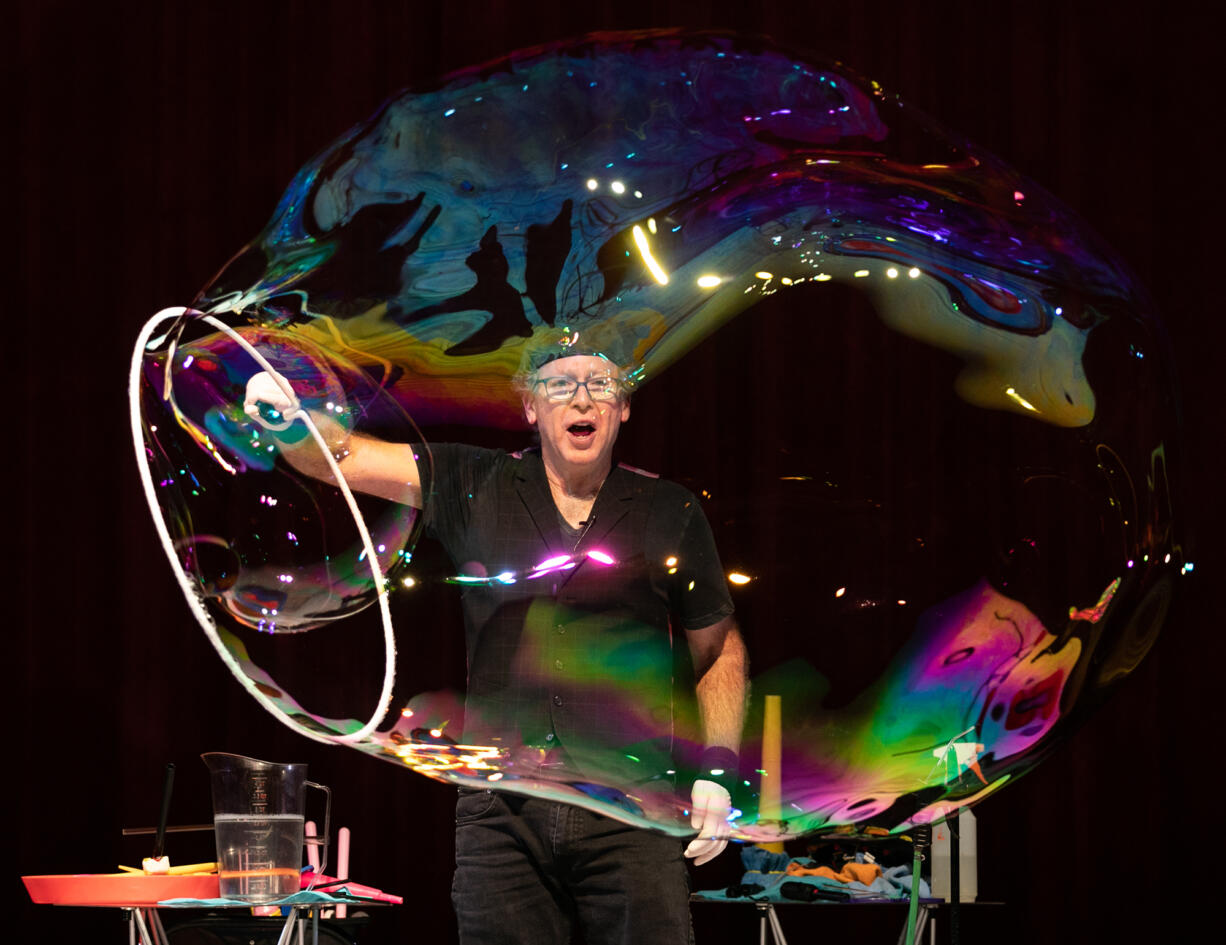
(321, 839)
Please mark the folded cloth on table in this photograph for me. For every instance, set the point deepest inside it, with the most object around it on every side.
(755, 858)
(766, 872)
(851, 872)
(297, 899)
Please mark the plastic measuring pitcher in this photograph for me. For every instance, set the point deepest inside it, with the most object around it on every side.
(258, 813)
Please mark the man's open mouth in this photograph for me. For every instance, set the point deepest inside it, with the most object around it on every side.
(582, 429)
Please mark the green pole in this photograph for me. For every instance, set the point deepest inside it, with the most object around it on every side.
(921, 838)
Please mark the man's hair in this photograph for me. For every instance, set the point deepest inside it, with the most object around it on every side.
(569, 343)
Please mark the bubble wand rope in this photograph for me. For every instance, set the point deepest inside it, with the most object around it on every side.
(194, 598)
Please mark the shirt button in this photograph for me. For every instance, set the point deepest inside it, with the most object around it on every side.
(557, 664)
(549, 737)
(561, 628)
(557, 700)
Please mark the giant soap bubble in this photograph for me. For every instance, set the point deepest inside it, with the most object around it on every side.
(927, 413)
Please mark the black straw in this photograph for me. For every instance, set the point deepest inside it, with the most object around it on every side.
(168, 783)
(150, 831)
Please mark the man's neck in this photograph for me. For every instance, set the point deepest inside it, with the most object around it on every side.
(580, 484)
(575, 495)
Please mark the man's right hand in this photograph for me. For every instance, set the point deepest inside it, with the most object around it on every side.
(373, 466)
(270, 401)
(710, 805)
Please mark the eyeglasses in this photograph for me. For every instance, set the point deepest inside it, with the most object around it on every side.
(599, 387)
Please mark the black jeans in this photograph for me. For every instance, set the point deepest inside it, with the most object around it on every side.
(528, 869)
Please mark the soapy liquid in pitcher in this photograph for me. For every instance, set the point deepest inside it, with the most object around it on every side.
(259, 855)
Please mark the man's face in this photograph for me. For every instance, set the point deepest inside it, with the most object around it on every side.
(580, 431)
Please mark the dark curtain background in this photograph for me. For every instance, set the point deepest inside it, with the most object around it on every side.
(150, 140)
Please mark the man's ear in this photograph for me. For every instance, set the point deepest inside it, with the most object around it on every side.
(529, 410)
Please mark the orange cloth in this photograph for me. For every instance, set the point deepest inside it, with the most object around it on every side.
(852, 872)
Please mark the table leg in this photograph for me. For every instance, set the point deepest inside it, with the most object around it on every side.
(145, 938)
(767, 914)
(287, 930)
(159, 930)
(776, 927)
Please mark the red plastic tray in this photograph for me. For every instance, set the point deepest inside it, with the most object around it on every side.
(104, 889)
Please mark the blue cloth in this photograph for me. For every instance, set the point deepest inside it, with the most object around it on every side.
(303, 898)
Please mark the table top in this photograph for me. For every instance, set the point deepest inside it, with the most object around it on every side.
(184, 891)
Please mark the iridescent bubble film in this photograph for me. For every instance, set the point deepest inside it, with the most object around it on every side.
(926, 412)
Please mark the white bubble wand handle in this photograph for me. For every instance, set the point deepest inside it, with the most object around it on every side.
(194, 598)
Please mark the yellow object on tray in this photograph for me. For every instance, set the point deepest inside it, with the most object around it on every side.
(186, 870)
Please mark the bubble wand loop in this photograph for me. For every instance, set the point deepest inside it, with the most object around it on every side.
(192, 592)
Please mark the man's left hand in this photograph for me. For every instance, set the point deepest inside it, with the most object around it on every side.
(710, 806)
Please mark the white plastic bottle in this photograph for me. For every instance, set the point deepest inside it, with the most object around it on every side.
(968, 860)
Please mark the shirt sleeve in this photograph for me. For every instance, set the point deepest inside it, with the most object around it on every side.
(701, 596)
(456, 468)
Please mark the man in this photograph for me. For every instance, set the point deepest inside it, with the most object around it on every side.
(570, 655)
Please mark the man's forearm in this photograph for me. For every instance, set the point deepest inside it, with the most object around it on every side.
(375, 467)
(722, 690)
(303, 454)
